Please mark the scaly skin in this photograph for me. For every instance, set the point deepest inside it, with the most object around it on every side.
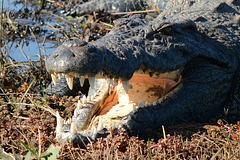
(112, 6)
(201, 39)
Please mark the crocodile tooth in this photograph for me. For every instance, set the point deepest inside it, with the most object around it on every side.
(84, 99)
(75, 113)
(134, 108)
(125, 85)
(76, 75)
(92, 82)
(88, 99)
(82, 79)
(54, 78)
(100, 124)
(140, 103)
(94, 130)
(142, 72)
(154, 103)
(79, 106)
(59, 75)
(146, 104)
(98, 75)
(59, 123)
(70, 82)
(69, 121)
(111, 83)
(73, 128)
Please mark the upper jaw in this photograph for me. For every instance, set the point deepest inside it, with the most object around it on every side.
(80, 59)
(87, 60)
(116, 59)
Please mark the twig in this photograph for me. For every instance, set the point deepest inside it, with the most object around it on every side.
(231, 157)
(20, 47)
(164, 134)
(215, 156)
(44, 11)
(17, 64)
(44, 40)
(1, 52)
(49, 109)
(57, 3)
(109, 25)
(25, 104)
(41, 64)
(134, 12)
(20, 117)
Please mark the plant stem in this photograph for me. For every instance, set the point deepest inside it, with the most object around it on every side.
(1, 52)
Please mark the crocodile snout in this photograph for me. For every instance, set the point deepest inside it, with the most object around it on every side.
(57, 55)
(75, 56)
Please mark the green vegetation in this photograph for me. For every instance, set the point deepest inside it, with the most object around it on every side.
(51, 153)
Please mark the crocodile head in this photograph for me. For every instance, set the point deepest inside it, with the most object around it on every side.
(184, 75)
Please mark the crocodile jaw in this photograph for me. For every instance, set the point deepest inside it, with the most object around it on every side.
(93, 108)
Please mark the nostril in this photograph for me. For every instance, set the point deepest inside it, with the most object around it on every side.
(55, 56)
(72, 54)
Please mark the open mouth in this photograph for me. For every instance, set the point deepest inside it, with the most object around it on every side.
(108, 100)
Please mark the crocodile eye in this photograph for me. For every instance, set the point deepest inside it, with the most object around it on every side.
(71, 54)
(166, 30)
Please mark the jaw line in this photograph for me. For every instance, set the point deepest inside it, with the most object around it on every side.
(89, 110)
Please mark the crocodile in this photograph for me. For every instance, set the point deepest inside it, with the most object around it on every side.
(193, 45)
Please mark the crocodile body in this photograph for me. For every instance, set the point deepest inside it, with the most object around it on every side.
(111, 6)
(199, 38)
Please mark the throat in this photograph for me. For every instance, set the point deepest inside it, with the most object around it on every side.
(143, 90)
(148, 89)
